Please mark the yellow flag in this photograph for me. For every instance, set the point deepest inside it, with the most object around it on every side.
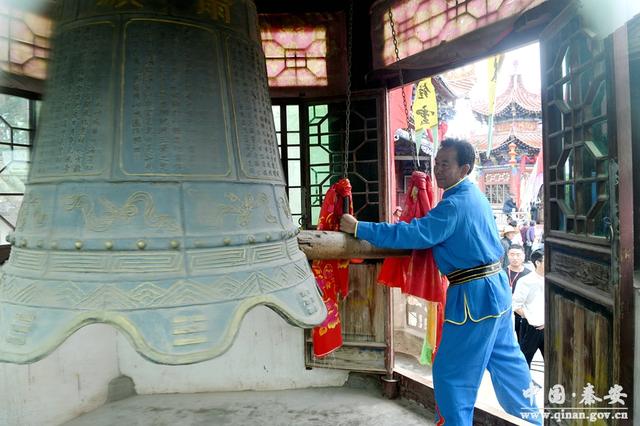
(493, 67)
(425, 106)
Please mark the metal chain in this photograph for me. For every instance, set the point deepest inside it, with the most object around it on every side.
(416, 162)
(345, 164)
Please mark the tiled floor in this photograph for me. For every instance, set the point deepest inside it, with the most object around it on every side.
(342, 406)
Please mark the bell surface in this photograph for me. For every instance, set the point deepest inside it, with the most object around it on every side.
(156, 200)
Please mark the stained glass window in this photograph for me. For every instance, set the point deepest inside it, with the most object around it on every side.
(24, 42)
(305, 51)
(422, 24)
(295, 56)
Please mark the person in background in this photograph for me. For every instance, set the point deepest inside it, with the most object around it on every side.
(528, 239)
(538, 243)
(396, 214)
(528, 302)
(524, 226)
(508, 234)
(516, 237)
(534, 211)
(509, 206)
(515, 271)
(476, 335)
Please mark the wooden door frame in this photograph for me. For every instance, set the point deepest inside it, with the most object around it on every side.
(625, 241)
(619, 247)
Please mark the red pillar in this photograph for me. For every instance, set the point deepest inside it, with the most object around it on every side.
(514, 182)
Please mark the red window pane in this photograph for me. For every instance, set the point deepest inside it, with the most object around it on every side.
(295, 56)
(24, 42)
(423, 24)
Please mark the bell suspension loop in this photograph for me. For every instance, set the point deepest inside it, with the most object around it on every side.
(345, 163)
(416, 162)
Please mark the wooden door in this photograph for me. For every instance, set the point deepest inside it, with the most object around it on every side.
(589, 308)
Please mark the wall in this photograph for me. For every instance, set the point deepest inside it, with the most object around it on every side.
(70, 381)
(267, 354)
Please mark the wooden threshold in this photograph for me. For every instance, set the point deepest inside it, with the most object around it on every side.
(418, 388)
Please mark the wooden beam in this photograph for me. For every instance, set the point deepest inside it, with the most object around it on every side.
(318, 245)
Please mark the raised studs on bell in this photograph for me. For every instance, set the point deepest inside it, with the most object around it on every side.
(251, 239)
(54, 245)
(40, 244)
(141, 244)
(23, 243)
(78, 245)
(108, 245)
(8, 238)
(267, 237)
(174, 244)
(226, 241)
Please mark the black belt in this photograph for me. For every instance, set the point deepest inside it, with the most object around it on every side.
(461, 276)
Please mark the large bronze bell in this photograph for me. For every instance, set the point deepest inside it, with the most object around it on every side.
(156, 199)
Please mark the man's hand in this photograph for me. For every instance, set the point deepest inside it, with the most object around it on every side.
(348, 223)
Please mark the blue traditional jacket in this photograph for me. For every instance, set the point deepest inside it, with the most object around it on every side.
(463, 234)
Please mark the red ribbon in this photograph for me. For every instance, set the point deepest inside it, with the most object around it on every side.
(332, 275)
(417, 274)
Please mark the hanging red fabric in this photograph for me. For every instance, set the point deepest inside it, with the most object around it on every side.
(417, 274)
(332, 275)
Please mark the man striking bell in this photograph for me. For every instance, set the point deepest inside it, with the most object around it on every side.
(477, 332)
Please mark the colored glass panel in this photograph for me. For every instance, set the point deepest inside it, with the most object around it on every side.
(295, 56)
(24, 42)
(423, 24)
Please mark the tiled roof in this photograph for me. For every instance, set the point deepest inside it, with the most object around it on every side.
(460, 80)
(514, 93)
(528, 132)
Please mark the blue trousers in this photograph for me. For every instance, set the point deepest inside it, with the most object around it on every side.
(465, 352)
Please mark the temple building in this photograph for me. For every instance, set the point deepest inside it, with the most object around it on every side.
(516, 142)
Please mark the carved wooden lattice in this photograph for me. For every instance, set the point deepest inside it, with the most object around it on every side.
(311, 138)
(577, 123)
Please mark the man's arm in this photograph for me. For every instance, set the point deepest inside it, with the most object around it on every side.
(438, 225)
(520, 297)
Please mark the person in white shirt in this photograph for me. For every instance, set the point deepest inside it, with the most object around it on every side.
(528, 302)
(516, 271)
